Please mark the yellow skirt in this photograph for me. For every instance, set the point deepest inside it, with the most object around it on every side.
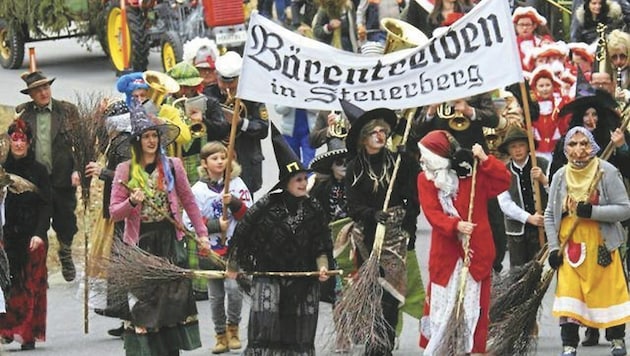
(595, 296)
(101, 247)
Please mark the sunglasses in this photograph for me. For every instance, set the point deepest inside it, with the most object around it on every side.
(339, 162)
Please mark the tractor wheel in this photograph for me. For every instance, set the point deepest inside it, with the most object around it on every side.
(100, 29)
(136, 38)
(11, 46)
(172, 50)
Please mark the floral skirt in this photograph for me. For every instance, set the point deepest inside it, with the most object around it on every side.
(283, 317)
(25, 320)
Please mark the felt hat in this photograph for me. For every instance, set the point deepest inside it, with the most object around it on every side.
(229, 66)
(185, 74)
(34, 80)
(528, 11)
(358, 118)
(288, 162)
(141, 122)
(513, 134)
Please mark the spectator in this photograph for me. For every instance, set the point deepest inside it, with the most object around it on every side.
(296, 127)
(590, 15)
(335, 24)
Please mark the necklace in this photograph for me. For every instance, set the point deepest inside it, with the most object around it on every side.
(294, 220)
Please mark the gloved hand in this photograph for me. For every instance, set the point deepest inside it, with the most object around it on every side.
(584, 210)
(235, 204)
(555, 260)
(381, 216)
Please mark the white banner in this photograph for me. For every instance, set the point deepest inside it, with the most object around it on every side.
(477, 54)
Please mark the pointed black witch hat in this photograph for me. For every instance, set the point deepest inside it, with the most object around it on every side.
(288, 162)
(587, 96)
(358, 118)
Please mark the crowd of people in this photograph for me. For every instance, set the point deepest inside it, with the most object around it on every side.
(182, 172)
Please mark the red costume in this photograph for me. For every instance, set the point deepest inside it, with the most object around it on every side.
(446, 247)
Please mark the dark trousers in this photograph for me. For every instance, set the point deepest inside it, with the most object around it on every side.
(497, 225)
(523, 248)
(569, 333)
(64, 221)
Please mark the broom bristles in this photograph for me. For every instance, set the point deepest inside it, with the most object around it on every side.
(359, 314)
(455, 336)
(517, 291)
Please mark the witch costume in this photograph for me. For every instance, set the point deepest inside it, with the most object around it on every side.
(282, 233)
(26, 215)
(163, 319)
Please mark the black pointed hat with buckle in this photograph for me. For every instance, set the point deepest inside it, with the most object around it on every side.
(288, 162)
(358, 118)
(587, 96)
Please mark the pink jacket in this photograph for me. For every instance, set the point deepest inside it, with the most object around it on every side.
(120, 208)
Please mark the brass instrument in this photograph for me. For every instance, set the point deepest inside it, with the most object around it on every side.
(456, 120)
(338, 129)
(401, 35)
(228, 107)
(188, 106)
(160, 84)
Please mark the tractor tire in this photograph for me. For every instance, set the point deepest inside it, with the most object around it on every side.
(11, 46)
(100, 29)
(171, 50)
(137, 39)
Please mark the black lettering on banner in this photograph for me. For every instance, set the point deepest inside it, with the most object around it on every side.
(328, 76)
(263, 41)
(469, 34)
(424, 83)
(393, 68)
(394, 92)
(325, 95)
(418, 60)
(451, 53)
(411, 90)
(442, 82)
(314, 68)
(292, 62)
(282, 90)
(459, 78)
(474, 77)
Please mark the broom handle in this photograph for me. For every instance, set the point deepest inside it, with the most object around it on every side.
(591, 188)
(230, 158)
(221, 274)
(379, 236)
(471, 205)
(170, 219)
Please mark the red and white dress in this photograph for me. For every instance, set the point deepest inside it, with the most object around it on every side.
(550, 127)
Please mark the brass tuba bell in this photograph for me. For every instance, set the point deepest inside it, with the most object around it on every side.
(188, 106)
(456, 120)
(160, 84)
(401, 35)
(338, 129)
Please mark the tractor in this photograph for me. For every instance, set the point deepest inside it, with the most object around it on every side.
(159, 24)
(168, 24)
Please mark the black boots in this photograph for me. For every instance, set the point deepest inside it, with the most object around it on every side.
(67, 265)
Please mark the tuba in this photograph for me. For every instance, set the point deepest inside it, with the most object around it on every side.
(160, 84)
(456, 120)
(338, 129)
(189, 106)
(401, 35)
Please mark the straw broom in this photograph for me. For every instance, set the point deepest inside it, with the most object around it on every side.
(213, 257)
(513, 335)
(83, 135)
(454, 341)
(359, 314)
(136, 271)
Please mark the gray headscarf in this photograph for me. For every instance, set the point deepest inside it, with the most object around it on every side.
(585, 132)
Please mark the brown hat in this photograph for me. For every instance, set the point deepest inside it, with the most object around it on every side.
(34, 80)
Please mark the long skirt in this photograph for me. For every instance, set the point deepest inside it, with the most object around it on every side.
(587, 292)
(25, 320)
(164, 316)
(283, 317)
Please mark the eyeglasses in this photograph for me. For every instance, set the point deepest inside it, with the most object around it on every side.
(621, 57)
(340, 162)
(379, 131)
(524, 24)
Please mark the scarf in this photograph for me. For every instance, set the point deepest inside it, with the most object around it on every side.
(579, 180)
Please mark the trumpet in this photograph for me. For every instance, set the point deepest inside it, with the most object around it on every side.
(456, 120)
(228, 107)
(189, 106)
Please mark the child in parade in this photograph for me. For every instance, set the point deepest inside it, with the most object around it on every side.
(284, 231)
(210, 198)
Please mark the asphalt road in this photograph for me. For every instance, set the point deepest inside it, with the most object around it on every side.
(78, 70)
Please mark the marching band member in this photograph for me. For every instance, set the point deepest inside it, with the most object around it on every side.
(253, 121)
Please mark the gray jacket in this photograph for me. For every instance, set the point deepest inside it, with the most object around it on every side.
(613, 207)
